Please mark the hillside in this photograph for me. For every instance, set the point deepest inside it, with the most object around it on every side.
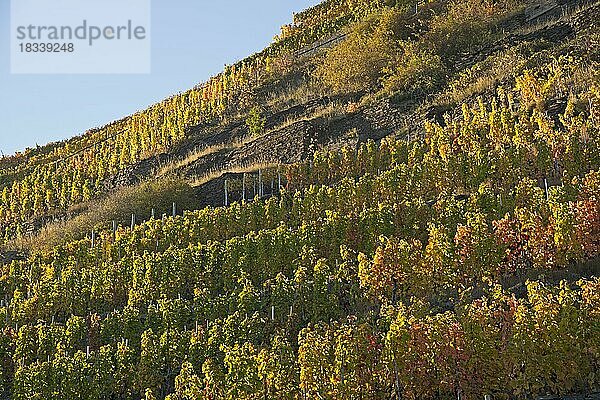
(392, 200)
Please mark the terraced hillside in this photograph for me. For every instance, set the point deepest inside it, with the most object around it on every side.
(393, 200)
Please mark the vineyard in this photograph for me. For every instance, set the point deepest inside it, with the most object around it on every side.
(42, 181)
(455, 255)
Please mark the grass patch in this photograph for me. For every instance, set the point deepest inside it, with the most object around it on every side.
(117, 206)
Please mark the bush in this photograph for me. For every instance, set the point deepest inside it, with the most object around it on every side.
(415, 70)
(256, 122)
(466, 24)
(357, 63)
(392, 49)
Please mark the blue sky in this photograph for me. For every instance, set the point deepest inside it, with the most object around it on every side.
(191, 40)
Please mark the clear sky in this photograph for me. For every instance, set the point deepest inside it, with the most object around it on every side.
(191, 40)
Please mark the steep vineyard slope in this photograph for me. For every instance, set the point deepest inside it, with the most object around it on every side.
(403, 202)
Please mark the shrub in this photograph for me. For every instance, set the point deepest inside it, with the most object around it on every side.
(466, 24)
(256, 122)
(416, 69)
(357, 63)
